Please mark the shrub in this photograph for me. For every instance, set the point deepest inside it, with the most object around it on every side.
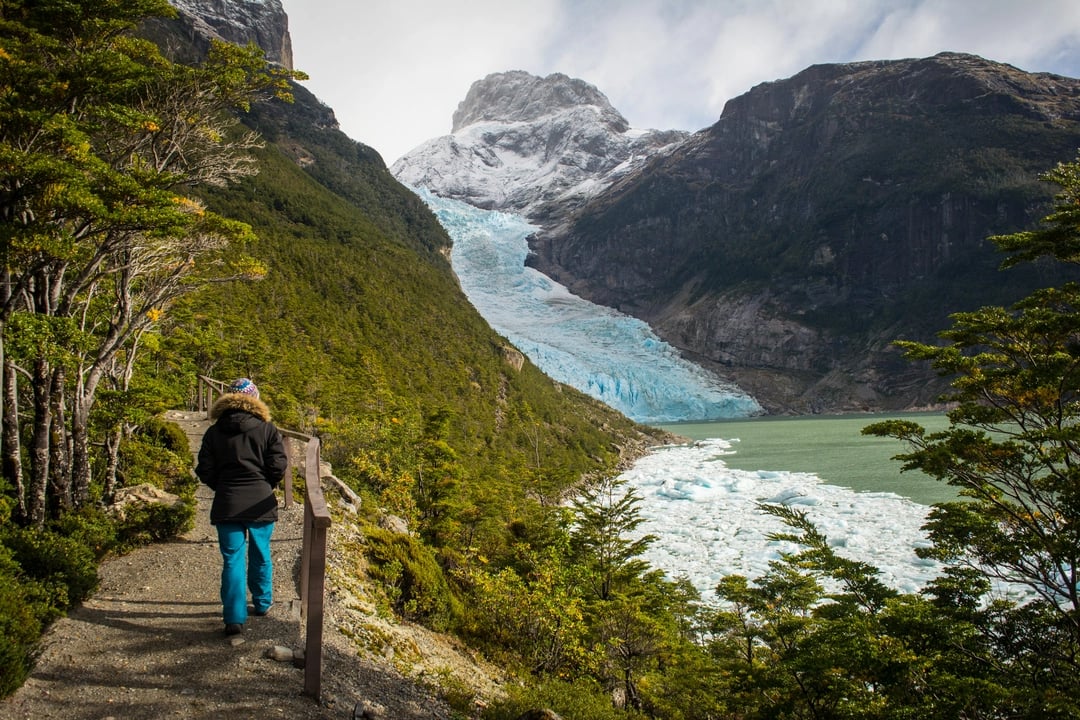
(145, 523)
(166, 434)
(20, 627)
(19, 632)
(580, 700)
(158, 453)
(414, 581)
(42, 575)
(91, 527)
(63, 566)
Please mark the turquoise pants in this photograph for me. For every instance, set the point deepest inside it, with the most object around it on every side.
(245, 551)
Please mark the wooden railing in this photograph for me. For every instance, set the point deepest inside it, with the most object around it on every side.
(316, 528)
(313, 564)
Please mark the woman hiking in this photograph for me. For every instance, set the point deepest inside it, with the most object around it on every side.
(242, 459)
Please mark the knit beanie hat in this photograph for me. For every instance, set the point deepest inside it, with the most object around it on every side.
(244, 387)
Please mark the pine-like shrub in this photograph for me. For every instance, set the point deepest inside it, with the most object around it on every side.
(413, 580)
(20, 627)
(64, 567)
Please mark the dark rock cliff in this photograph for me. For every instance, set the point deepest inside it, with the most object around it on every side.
(824, 216)
(187, 38)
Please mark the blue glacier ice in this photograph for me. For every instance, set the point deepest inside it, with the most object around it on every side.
(610, 356)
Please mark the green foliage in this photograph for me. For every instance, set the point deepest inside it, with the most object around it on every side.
(167, 435)
(605, 516)
(576, 700)
(1011, 449)
(91, 527)
(1061, 239)
(540, 617)
(21, 623)
(792, 649)
(102, 140)
(145, 523)
(157, 453)
(63, 568)
(413, 579)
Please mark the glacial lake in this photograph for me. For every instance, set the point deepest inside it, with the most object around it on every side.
(830, 446)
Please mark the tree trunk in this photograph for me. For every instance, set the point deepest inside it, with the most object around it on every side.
(113, 439)
(80, 450)
(39, 444)
(633, 697)
(60, 499)
(12, 448)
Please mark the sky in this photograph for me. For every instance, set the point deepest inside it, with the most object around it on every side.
(394, 71)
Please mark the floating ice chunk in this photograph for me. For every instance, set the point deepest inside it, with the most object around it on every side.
(793, 496)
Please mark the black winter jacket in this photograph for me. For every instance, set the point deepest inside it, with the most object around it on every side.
(242, 459)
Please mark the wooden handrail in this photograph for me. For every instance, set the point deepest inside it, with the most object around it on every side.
(313, 553)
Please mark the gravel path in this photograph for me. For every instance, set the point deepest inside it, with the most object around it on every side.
(150, 643)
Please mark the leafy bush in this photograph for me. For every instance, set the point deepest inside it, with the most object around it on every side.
(158, 453)
(64, 567)
(42, 575)
(91, 527)
(145, 523)
(580, 700)
(167, 435)
(20, 627)
(414, 582)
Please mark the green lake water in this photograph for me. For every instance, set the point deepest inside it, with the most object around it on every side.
(831, 447)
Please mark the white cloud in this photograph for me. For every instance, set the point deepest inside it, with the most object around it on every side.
(394, 72)
(1024, 34)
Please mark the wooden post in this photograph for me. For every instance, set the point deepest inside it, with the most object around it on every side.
(316, 525)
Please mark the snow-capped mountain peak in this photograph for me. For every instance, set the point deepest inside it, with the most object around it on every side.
(521, 97)
(530, 145)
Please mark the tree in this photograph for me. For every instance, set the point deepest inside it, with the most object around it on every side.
(101, 139)
(617, 583)
(537, 613)
(601, 541)
(1013, 449)
(856, 650)
(438, 482)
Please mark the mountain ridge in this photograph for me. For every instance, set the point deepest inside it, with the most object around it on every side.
(822, 217)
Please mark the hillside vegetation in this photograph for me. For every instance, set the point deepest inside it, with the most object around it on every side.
(293, 258)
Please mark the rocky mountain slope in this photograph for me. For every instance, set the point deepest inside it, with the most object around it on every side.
(534, 146)
(262, 22)
(824, 216)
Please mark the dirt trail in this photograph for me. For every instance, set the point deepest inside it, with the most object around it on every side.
(150, 644)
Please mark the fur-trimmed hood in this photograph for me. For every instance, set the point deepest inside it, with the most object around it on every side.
(240, 401)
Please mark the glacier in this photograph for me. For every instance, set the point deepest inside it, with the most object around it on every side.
(609, 356)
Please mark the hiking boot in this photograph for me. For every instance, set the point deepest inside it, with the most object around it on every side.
(233, 628)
